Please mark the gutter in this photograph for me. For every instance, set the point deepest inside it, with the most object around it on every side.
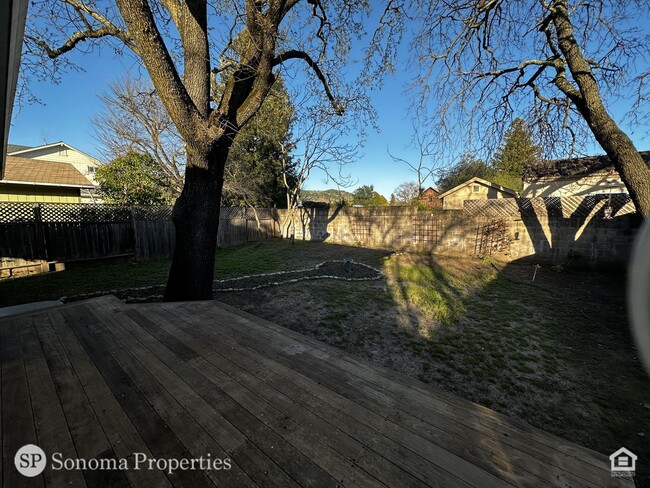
(58, 185)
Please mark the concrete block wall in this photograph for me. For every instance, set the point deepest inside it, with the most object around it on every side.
(588, 241)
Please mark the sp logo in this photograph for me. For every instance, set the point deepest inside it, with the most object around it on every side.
(30, 460)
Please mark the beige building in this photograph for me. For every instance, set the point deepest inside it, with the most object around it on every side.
(28, 180)
(60, 152)
(474, 189)
(591, 175)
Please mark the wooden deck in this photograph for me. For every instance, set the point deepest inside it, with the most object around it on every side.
(104, 380)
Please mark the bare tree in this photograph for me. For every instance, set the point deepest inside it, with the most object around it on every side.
(317, 145)
(134, 119)
(428, 161)
(407, 192)
(177, 43)
(485, 62)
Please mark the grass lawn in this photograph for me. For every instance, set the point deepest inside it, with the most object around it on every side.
(230, 262)
(556, 353)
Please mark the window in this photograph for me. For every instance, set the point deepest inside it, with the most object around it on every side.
(92, 170)
(476, 188)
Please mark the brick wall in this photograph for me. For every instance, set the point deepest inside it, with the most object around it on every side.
(547, 231)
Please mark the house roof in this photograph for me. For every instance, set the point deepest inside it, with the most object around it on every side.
(23, 151)
(483, 182)
(39, 172)
(12, 148)
(432, 189)
(572, 167)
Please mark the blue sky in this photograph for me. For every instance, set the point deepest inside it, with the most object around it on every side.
(68, 107)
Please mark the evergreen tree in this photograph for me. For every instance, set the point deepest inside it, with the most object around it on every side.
(254, 167)
(367, 196)
(468, 167)
(515, 152)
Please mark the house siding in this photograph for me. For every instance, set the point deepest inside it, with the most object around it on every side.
(454, 201)
(10, 192)
(598, 183)
(62, 154)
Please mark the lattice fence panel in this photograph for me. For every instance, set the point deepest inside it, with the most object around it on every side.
(84, 213)
(360, 227)
(154, 213)
(263, 214)
(563, 207)
(232, 213)
(504, 207)
(492, 238)
(15, 212)
(426, 229)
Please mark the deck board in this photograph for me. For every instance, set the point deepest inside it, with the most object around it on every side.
(101, 379)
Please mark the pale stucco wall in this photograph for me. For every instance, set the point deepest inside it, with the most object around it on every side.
(601, 182)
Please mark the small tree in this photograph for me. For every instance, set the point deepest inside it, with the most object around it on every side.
(428, 159)
(134, 179)
(133, 119)
(367, 196)
(363, 195)
(407, 193)
(317, 145)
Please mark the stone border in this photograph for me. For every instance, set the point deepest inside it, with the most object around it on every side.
(149, 298)
(379, 276)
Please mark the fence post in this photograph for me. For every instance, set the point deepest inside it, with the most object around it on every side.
(245, 224)
(40, 234)
(136, 240)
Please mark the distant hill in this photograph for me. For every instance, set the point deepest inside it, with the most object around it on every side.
(326, 196)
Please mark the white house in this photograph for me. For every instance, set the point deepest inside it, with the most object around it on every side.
(62, 152)
(590, 175)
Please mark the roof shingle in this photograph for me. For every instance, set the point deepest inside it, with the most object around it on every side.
(43, 172)
(572, 167)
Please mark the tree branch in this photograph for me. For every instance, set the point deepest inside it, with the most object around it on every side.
(295, 54)
(107, 28)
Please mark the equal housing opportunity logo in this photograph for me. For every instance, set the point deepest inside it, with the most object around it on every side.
(30, 461)
(623, 463)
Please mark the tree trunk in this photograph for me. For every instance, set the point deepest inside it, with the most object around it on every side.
(618, 146)
(196, 221)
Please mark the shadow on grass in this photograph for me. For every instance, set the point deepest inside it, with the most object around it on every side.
(556, 353)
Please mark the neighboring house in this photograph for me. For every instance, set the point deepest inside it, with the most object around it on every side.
(474, 189)
(63, 153)
(591, 175)
(29, 180)
(430, 198)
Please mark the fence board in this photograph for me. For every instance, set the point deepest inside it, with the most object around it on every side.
(64, 232)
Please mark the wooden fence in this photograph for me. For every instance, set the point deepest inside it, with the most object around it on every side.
(40, 233)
